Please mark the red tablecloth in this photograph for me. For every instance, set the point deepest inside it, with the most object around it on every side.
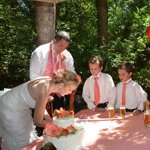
(36, 145)
(103, 134)
(118, 134)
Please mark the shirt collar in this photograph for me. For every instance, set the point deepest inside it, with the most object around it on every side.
(127, 81)
(98, 75)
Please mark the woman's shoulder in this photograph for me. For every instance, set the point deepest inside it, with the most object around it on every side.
(42, 78)
(40, 81)
(39, 87)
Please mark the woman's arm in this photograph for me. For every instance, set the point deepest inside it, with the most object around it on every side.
(41, 101)
(47, 116)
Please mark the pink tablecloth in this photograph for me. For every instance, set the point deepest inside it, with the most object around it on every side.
(118, 134)
(103, 134)
(35, 145)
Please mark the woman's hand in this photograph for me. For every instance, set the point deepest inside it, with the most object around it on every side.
(50, 98)
(48, 118)
(100, 109)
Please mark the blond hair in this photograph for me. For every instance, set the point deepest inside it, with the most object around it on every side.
(66, 77)
(96, 60)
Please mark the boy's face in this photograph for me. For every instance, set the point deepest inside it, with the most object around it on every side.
(124, 75)
(95, 69)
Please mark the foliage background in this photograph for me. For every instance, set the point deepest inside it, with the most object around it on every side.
(127, 23)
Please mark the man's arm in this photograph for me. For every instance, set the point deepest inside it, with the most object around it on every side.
(69, 61)
(35, 66)
(86, 96)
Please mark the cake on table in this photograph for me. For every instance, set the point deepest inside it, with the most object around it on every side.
(63, 118)
(64, 134)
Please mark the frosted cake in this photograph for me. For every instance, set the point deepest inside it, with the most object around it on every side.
(63, 118)
(64, 134)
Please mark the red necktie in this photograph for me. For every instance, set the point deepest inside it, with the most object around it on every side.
(55, 63)
(96, 92)
(123, 94)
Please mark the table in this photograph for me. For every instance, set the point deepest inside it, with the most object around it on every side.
(103, 134)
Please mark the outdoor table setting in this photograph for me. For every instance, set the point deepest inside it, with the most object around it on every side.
(110, 130)
(103, 132)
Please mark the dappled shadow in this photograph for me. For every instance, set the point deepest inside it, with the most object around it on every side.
(117, 134)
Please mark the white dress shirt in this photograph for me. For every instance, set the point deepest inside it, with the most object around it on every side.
(107, 90)
(134, 94)
(39, 60)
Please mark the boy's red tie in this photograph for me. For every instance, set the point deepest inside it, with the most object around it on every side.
(96, 91)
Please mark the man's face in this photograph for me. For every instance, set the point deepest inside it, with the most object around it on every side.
(61, 45)
(124, 75)
(95, 69)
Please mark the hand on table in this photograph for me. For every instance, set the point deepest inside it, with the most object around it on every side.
(136, 112)
(100, 109)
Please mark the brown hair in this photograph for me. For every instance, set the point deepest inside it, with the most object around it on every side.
(66, 77)
(126, 65)
(62, 35)
(96, 60)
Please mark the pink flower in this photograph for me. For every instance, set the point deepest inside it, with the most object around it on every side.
(52, 130)
(59, 74)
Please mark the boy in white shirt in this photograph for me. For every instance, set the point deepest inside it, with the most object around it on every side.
(134, 95)
(106, 87)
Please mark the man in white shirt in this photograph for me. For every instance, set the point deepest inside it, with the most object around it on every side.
(134, 94)
(40, 56)
(50, 57)
(107, 90)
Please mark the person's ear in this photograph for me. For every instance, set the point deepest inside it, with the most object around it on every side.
(101, 68)
(54, 40)
(130, 73)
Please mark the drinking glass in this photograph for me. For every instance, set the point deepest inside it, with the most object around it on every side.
(147, 122)
(146, 105)
(122, 112)
(147, 119)
(111, 114)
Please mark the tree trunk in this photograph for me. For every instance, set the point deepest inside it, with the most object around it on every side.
(45, 21)
(102, 21)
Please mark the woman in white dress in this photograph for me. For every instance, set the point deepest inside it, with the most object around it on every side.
(16, 122)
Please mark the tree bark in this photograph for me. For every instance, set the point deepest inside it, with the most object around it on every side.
(51, 1)
(45, 17)
(102, 21)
